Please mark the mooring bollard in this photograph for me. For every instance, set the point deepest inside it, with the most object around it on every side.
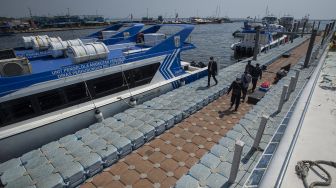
(260, 132)
(310, 48)
(282, 97)
(236, 160)
(294, 83)
(289, 90)
(297, 73)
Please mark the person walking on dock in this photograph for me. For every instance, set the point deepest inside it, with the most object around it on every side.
(256, 74)
(212, 70)
(246, 80)
(249, 68)
(236, 87)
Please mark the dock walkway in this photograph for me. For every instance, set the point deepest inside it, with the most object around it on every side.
(192, 119)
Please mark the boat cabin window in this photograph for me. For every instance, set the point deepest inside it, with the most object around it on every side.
(50, 100)
(15, 110)
(106, 85)
(42, 103)
(76, 92)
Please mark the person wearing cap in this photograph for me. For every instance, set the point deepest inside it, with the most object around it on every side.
(236, 87)
(212, 70)
(246, 80)
(256, 74)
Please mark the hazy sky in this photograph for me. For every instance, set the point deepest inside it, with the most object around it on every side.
(122, 8)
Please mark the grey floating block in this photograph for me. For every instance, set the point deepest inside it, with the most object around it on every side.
(35, 162)
(97, 144)
(148, 131)
(216, 180)
(111, 137)
(199, 172)
(50, 147)
(247, 140)
(125, 130)
(168, 119)
(61, 159)
(109, 121)
(219, 151)
(91, 162)
(12, 174)
(136, 124)
(96, 126)
(23, 181)
(186, 181)
(137, 139)
(73, 173)
(159, 125)
(41, 171)
(138, 114)
(234, 135)
(211, 161)
(89, 137)
(227, 142)
(146, 118)
(115, 126)
(128, 119)
(101, 132)
(123, 145)
(156, 114)
(66, 139)
(81, 151)
(83, 132)
(13, 163)
(109, 155)
(52, 181)
(177, 115)
(53, 153)
(185, 111)
(120, 116)
(32, 154)
(224, 169)
(149, 103)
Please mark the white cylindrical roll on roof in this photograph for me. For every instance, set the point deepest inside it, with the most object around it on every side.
(28, 42)
(59, 48)
(88, 52)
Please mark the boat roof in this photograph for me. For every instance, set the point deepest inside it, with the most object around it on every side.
(47, 68)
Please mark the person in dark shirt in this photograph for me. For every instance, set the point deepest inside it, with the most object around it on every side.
(212, 70)
(249, 68)
(256, 74)
(236, 87)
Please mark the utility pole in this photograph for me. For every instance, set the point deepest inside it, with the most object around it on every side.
(147, 14)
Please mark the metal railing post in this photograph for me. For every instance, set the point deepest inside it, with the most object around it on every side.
(260, 132)
(282, 97)
(236, 161)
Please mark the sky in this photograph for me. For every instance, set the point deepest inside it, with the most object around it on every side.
(317, 9)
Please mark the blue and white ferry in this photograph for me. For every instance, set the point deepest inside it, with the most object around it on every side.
(45, 98)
